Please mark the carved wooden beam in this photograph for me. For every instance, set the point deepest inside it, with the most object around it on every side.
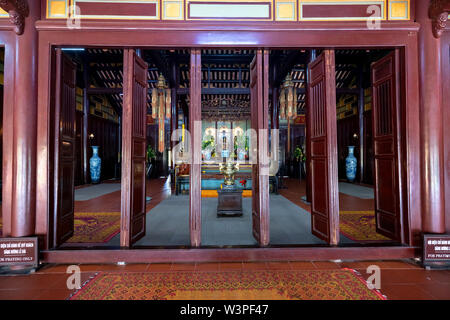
(18, 10)
(438, 13)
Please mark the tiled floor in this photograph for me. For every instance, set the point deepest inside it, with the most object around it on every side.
(295, 189)
(399, 279)
(158, 189)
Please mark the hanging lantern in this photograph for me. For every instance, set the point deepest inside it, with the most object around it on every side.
(168, 103)
(161, 107)
(154, 103)
(288, 99)
(282, 105)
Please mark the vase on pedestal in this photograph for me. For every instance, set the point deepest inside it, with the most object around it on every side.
(350, 164)
(95, 164)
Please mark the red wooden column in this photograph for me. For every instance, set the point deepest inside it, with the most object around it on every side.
(431, 111)
(446, 119)
(23, 201)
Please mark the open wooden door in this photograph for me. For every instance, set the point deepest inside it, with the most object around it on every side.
(65, 105)
(259, 98)
(195, 178)
(386, 123)
(135, 86)
(322, 123)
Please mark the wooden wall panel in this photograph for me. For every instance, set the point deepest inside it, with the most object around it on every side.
(445, 45)
(267, 10)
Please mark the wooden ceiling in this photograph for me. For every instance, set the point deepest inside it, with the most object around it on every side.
(225, 73)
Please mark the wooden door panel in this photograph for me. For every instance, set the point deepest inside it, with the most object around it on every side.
(319, 205)
(65, 135)
(385, 119)
(133, 222)
(323, 164)
(259, 98)
(195, 115)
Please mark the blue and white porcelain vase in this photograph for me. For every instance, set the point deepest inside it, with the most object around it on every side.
(207, 153)
(350, 164)
(241, 155)
(95, 164)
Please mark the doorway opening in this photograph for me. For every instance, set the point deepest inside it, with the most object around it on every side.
(168, 153)
(226, 144)
(88, 110)
(274, 128)
(334, 86)
(356, 110)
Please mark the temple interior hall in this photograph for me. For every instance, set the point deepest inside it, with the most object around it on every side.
(226, 125)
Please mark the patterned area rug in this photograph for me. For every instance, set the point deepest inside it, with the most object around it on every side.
(359, 226)
(343, 284)
(95, 227)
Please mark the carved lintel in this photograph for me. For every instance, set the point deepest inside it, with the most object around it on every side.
(18, 10)
(438, 13)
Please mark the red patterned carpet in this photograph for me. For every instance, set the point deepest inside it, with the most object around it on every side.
(359, 226)
(341, 284)
(95, 227)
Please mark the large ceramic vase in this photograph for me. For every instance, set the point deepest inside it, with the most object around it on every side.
(241, 154)
(207, 154)
(95, 164)
(350, 164)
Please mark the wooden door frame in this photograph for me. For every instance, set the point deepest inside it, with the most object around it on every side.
(249, 35)
(8, 43)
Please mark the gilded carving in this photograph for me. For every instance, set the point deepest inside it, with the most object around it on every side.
(438, 13)
(18, 10)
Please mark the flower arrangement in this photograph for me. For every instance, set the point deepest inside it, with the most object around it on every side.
(208, 143)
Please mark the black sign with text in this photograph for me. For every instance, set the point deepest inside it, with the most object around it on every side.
(436, 249)
(19, 251)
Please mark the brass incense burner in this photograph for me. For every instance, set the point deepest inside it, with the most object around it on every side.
(228, 170)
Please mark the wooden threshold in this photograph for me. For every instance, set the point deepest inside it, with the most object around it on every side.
(228, 255)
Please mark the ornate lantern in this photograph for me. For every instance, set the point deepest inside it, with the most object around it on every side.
(288, 99)
(161, 107)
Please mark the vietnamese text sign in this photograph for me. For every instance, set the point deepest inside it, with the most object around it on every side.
(436, 248)
(19, 251)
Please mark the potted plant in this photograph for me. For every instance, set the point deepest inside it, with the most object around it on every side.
(208, 146)
(241, 146)
(300, 156)
(151, 154)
